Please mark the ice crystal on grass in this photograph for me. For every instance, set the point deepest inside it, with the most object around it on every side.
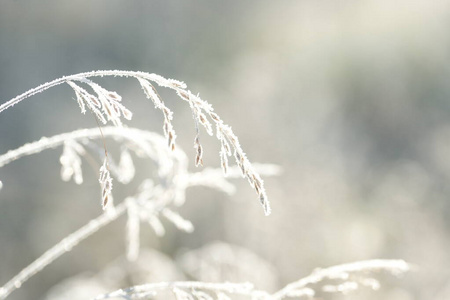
(107, 106)
(153, 95)
(352, 276)
(160, 198)
(183, 290)
(153, 201)
(199, 150)
(306, 288)
(105, 183)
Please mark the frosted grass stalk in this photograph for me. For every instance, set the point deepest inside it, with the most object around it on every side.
(61, 248)
(106, 106)
(395, 267)
(244, 289)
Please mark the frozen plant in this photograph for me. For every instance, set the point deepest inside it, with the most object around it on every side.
(151, 203)
(107, 106)
(348, 277)
(157, 199)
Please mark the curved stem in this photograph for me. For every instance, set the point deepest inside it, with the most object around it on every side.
(225, 131)
(93, 133)
(244, 289)
(78, 77)
(392, 265)
(144, 138)
(62, 247)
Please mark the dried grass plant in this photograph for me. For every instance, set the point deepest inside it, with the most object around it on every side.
(157, 200)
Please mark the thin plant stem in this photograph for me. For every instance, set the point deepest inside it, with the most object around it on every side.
(391, 265)
(57, 140)
(77, 77)
(61, 248)
(244, 289)
(224, 132)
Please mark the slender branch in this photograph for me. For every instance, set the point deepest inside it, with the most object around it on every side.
(112, 110)
(245, 289)
(62, 247)
(293, 290)
(93, 133)
(151, 144)
(78, 77)
(391, 265)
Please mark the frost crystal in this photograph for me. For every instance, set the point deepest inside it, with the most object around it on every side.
(105, 183)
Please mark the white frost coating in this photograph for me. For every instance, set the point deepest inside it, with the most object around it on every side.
(106, 106)
(172, 167)
(105, 183)
(303, 288)
(150, 144)
(181, 288)
(359, 269)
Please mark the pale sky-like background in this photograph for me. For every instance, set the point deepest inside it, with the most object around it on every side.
(351, 98)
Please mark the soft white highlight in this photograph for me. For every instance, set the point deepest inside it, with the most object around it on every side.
(352, 276)
(106, 105)
(151, 202)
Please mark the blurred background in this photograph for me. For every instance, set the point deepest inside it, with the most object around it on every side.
(351, 98)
